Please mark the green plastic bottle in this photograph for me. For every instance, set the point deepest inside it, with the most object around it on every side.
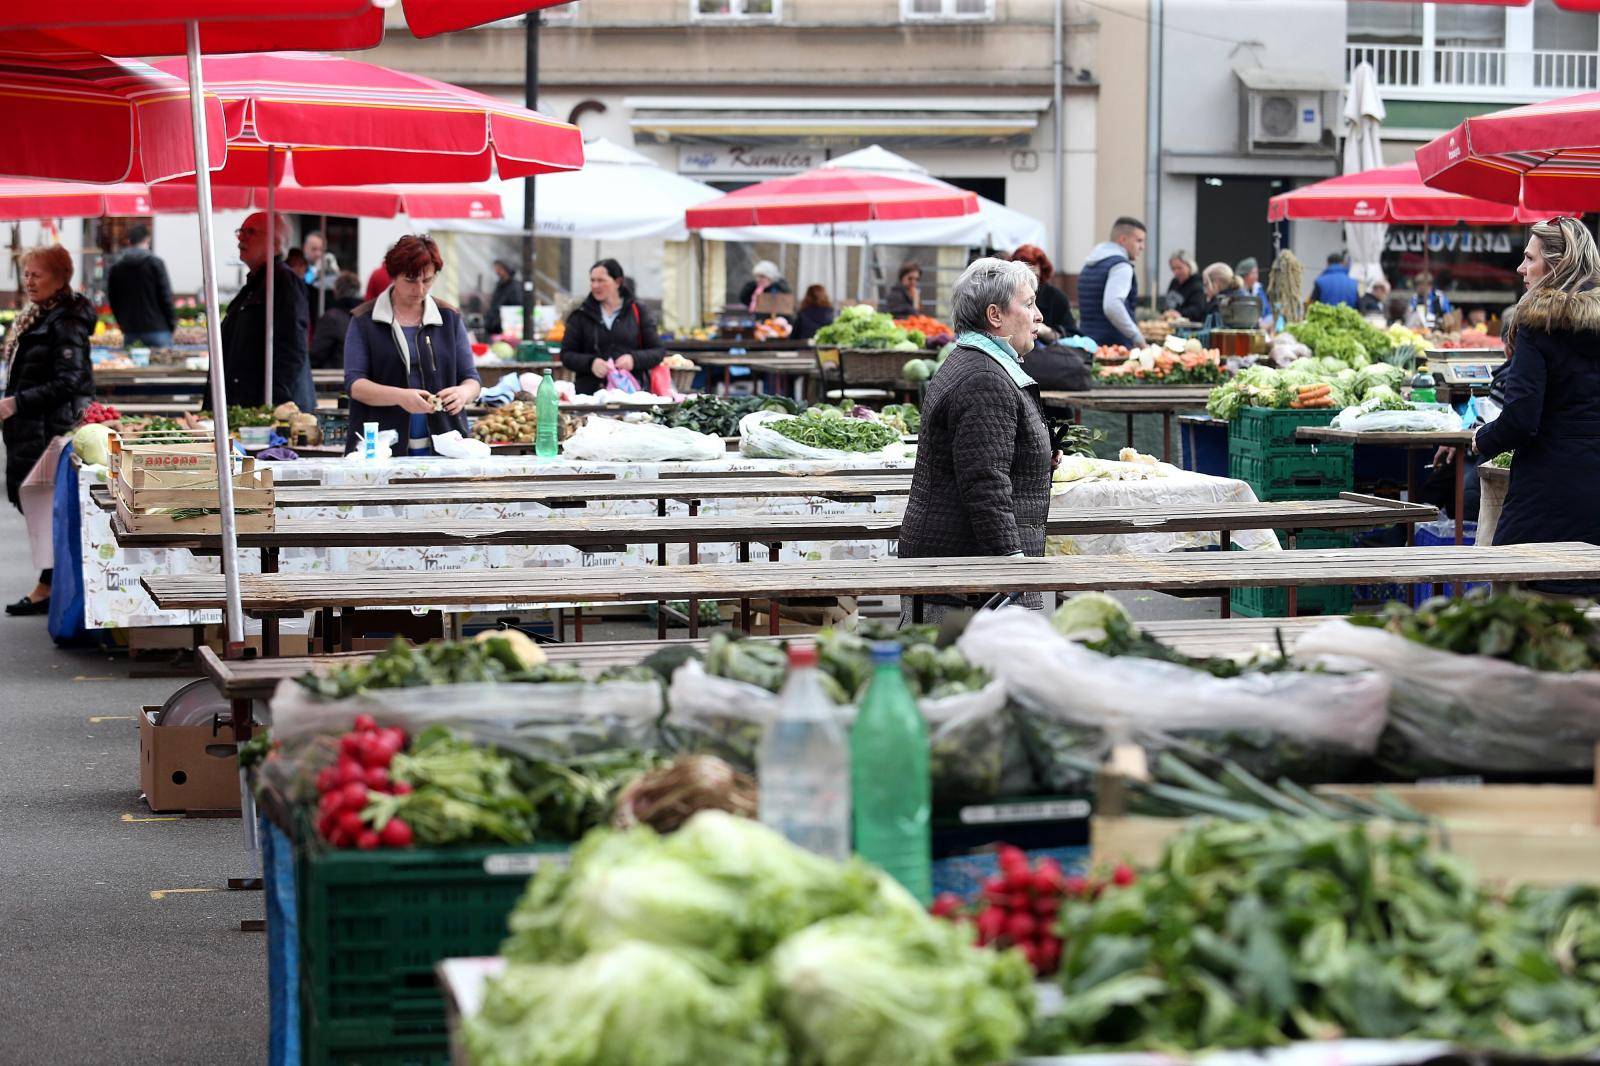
(546, 438)
(890, 794)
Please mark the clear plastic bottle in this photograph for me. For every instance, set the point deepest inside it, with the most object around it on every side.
(804, 764)
(891, 794)
(546, 437)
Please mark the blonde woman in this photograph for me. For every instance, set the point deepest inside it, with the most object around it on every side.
(1551, 414)
(1186, 293)
(1219, 281)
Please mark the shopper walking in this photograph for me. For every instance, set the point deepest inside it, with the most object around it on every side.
(50, 383)
(1108, 289)
(1551, 386)
(1335, 285)
(407, 358)
(244, 339)
(609, 331)
(140, 293)
(981, 485)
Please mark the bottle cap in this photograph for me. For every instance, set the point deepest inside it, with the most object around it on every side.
(885, 651)
(802, 655)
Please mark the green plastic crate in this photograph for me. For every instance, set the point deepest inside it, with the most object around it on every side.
(1268, 429)
(1323, 474)
(1274, 602)
(372, 926)
(1318, 538)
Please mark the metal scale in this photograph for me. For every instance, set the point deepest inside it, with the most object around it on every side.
(1462, 372)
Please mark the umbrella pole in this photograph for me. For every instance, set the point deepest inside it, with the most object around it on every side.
(322, 290)
(234, 613)
(833, 262)
(272, 273)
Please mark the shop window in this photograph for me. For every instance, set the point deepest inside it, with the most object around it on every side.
(935, 10)
(735, 10)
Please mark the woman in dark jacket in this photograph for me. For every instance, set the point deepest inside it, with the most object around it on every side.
(765, 280)
(1054, 306)
(327, 338)
(816, 311)
(981, 485)
(50, 383)
(1186, 293)
(507, 293)
(905, 298)
(1551, 414)
(609, 331)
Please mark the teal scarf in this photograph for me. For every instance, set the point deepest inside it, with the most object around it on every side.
(1001, 352)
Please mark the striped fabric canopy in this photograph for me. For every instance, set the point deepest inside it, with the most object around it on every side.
(1543, 156)
(828, 195)
(1388, 194)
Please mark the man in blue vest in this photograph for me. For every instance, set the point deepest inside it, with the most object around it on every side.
(1428, 302)
(1335, 285)
(1108, 289)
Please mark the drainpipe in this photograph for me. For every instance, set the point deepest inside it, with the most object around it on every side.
(1152, 164)
(1059, 163)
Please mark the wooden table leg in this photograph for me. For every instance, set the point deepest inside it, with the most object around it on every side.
(325, 619)
(1226, 540)
(1166, 436)
(577, 625)
(1411, 493)
(1294, 591)
(1130, 429)
(661, 546)
(694, 545)
(744, 601)
(916, 610)
(347, 628)
(775, 548)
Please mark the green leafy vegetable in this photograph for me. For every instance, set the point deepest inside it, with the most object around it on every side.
(862, 326)
(437, 663)
(819, 429)
(1519, 627)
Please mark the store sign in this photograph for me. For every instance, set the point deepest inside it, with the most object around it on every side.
(756, 161)
(1474, 241)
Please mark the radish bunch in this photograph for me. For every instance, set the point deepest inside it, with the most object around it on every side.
(345, 788)
(1018, 907)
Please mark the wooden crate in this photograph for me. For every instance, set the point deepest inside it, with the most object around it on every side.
(139, 490)
(1510, 834)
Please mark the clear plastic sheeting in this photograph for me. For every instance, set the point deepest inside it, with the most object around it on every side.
(1178, 488)
(1471, 712)
(1078, 702)
(757, 439)
(1423, 418)
(612, 440)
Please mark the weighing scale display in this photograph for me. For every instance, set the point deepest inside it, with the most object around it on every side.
(1469, 373)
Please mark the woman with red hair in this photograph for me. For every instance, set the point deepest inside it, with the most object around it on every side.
(1053, 303)
(407, 359)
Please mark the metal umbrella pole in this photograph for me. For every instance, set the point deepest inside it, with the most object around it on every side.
(272, 271)
(322, 289)
(233, 614)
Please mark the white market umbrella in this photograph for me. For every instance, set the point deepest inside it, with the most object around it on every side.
(1363, 150)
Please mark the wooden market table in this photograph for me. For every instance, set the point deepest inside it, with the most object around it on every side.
(1459, 439)
(329, 592)
(1164, 400)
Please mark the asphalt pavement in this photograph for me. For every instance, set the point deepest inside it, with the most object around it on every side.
(118, 940)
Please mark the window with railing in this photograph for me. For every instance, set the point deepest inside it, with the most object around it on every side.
(735, 10)
(1387, 35)
(1564, 47)
(941, 10)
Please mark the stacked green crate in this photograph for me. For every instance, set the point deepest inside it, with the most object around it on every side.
(1263, 453)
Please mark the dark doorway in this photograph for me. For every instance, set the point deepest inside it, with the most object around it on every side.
(1231, 219)
(988, 188)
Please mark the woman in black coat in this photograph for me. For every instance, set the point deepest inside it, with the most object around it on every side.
(50, 383)
(609, 331)
(1186, 293)
(1551, 414)
(981, 485)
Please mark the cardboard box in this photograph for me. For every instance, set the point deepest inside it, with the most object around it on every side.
(188, 768)
(1510, 834)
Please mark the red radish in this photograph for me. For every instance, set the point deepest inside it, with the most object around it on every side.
(1030, 949)
(1019, 881)
(327, 779)
(1049, 956)
(1012, 860)
(394, 738)
(367, 840)
(945, 905)
(349, 770)
(1123, 875)
(997, 895)
(400, 788)
(1020, 926)
(373, 752)
(350, 823)
(1046, 906)
(1047, 877)
(330, 802)
(1019, 901)
(396, 834)
(365, 723)
(326, 825)
(1076, 886)
(377, 778)
(350, 744)
(339, 838)
(991, 923)
(355, 795)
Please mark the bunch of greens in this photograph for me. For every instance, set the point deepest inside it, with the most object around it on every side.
(720, 417)
(573, 795)
(500, 657)
(845, 662)
(1076, 439)
(903, 418)
(724, 943)
(1264, 386)
(1102, 624)
(249, 416)
(864, 326)
(829, 427)
(459, 793)
(1503, 460)
(1519, 627)
(1254, 934)
(1340, 332)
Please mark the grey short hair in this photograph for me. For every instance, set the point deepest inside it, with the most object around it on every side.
(985, 282)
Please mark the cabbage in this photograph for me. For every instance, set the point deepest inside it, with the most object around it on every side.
(92, 443)
(633, 1005)
(1088, 615)
(864, 991)
(917, 370)
(502, 350)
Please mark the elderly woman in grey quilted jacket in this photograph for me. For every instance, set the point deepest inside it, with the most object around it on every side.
(981, 486)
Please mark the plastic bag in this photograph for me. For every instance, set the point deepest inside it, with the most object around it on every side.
(976, 753)
(759, 440)
(1078, 702)
(608, 439)
(453, 445)
(622, 380)
(1427, 418)
(1450, 713)
(660, 380)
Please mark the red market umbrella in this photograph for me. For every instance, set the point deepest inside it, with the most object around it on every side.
(71, 116)
(1544, 156)
(345, 122)
(24, 198)
(1389, 194)
(822, 196)
(157, 27)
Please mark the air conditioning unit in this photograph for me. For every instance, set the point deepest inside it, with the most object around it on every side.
(1285, 118)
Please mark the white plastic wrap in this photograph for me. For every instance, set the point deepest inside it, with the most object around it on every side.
(611, 440)
(1427, 418)
(759, 440)
(976, 749)
(1472, 712)
(1083, 701)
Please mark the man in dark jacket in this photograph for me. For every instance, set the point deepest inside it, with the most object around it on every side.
(507, 293)
(1335, 285)
(244, 339)
(1108, 288)
(141, 293)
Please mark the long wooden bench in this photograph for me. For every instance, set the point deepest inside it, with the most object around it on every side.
(329, 592)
